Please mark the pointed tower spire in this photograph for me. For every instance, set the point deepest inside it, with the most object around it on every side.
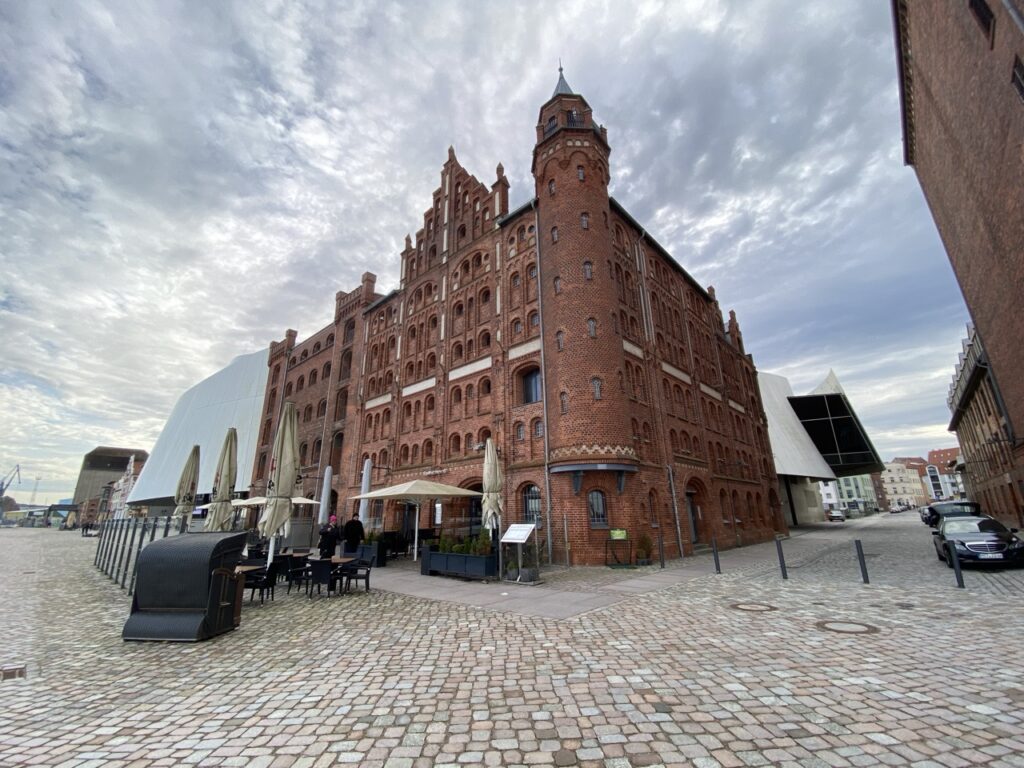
(562, 87)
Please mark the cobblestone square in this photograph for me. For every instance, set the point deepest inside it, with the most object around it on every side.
(683, 667)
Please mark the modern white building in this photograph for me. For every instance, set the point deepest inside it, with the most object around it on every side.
(232, 397)
(815, 438)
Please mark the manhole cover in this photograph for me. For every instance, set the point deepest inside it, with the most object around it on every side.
(753, 607)
(847, 627)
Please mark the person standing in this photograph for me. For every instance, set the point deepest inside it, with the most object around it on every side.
(353, 533)
(329, 536)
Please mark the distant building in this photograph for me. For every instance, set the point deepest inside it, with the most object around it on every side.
(990, 468)
(941, 477)
(101, 466)
(122, 488)
(902, 485)
(961, 76)
(854, 494)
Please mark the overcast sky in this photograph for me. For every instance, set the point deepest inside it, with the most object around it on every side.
(181, 182)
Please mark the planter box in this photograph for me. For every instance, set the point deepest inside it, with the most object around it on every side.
(374, 549)
(452, 564)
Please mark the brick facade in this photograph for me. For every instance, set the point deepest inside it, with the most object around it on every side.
(961, 69)
(617, 395)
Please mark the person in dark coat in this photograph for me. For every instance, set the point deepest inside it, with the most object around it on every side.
(329, 537)
(353, 533)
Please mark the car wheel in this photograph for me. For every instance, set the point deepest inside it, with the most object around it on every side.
(940, 556)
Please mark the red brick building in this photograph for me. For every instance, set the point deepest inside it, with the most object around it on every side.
(961, 72)
(616, 394)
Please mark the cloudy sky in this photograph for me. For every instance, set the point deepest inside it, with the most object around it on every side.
(181, 182)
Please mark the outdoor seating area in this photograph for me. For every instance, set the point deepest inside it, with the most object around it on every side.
(305, 571)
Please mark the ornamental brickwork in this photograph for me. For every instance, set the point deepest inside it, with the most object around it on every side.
(616, 392)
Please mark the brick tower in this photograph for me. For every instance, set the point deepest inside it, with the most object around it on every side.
(590, 438)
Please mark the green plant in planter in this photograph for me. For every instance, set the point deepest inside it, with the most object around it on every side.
(482, 543)
(644, 547)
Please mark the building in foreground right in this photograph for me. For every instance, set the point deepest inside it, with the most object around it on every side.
(990, 469)
(961, 77)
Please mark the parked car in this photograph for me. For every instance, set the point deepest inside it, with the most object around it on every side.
(934, 513)
(836, 516)
(978, 540)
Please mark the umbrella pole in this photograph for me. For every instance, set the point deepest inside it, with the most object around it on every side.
(501, 572)
(270, 550)
(416, 535)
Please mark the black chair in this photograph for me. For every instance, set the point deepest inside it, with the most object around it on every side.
(357, 570)
(319, 573)
(296, 570)
(263, 581)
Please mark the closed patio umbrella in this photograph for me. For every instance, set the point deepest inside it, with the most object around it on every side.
(491, 504)
(415, 491)
(218, 518)
(284, 474)
(185, 498)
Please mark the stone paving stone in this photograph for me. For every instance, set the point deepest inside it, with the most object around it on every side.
(670, 675)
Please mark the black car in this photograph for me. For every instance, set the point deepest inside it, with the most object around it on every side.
(934, 513)
(978, 540)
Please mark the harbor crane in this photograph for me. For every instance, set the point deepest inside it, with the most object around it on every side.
(5, 481)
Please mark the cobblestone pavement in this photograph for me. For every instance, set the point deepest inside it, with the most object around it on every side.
(735, 670)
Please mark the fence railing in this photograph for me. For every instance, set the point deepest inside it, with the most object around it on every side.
(121, 541)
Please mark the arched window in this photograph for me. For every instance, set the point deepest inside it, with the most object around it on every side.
(316, 347)
(304, 355)
(330, 340)
(312, 378)
(592, 327)
(534, 319)
(517, 327)
(520, 431)
(530, 385)
(317, 447)
(303, 450)
(485, 296)
(551, 187)
(588, 270)
(273, 379)
(554, 234)
(455, 444)
(457, 395)
(261, 468)
(485, 340)
(598, 510)
(595, 383)
(457, 351)
(307, 414)
(564, 399)
(560, 341)
(538, 428)
(428, 450)
(321, 409)
(558, 284)
(340, 404)
(531, 504)
(288, 389)
(326, 375)
(300, 384)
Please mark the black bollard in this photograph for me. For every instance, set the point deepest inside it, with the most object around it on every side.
(860, 559)
(714, 553)
(661, 548)
(956, 565)
(782, 559)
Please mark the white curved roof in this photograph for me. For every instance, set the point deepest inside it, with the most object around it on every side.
(794, 452)
(232, 397)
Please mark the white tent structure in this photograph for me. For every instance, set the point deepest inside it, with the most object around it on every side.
(415, 492)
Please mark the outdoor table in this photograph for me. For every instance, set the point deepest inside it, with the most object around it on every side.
(335, 560)
(248, 568)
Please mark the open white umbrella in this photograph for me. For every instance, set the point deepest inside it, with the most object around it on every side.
(255, 501)
(303, 500)
(185, 498)
(218, 518)
(284, 474)
(415, 491)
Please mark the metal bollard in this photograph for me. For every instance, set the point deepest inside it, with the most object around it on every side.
(661, 548)
(956, 566)
(860, 559)
(714, 553)
(135, 565)
(782, 559)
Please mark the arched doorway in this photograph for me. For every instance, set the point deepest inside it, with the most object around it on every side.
(696, 503)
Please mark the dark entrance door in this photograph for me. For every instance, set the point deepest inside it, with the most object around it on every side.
(693, 515)
(476, 511)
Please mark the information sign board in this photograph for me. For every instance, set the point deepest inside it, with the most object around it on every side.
(617, 534)
(518, 533)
